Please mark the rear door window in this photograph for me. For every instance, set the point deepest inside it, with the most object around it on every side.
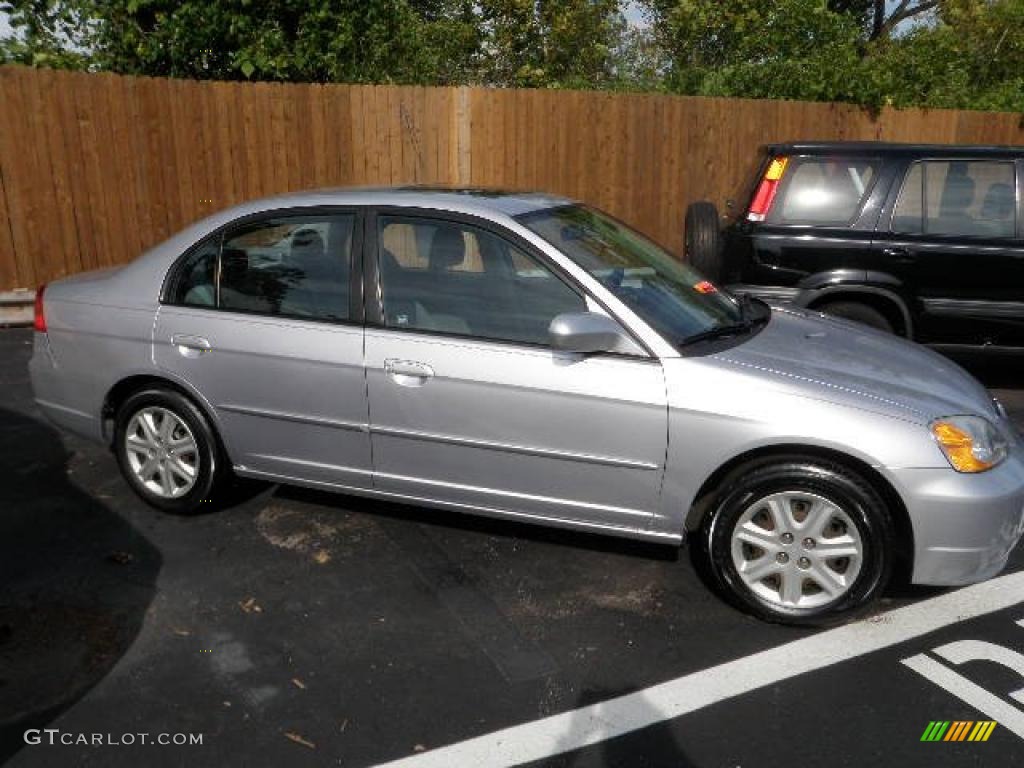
(975, 198)
(297, 266)
(823, 191)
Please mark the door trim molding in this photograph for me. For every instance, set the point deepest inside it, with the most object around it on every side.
(548, 453)
(320, 421)
(972, 307)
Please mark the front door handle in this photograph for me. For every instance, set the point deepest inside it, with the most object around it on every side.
(901, 255)
(408, 373)
(190, 346)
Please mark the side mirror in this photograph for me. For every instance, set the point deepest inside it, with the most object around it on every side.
(586, 332)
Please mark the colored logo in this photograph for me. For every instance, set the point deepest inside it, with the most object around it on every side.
(958, 730)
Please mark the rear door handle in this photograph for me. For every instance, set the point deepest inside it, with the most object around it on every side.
(901, 255)
(190, 346)
(408, 373)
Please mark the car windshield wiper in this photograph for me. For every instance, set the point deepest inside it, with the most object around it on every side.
(748, 321)
(719, 332)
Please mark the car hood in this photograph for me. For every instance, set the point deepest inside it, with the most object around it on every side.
(841, 361)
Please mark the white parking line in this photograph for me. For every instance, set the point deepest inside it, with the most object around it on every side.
(605, 720)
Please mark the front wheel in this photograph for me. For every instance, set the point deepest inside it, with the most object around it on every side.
(800, 541)
(167, 451)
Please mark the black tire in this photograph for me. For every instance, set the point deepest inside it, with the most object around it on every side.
(703, 239)
(840, 485)
(858, 312)
(211, 470)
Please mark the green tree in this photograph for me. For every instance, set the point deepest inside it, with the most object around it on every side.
(47, 34)
(796, 49)
(303, 40)
(957, 53)
(972, 57)
(499, 42)
(569, 43)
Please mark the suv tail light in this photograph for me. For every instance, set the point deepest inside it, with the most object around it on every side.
(39, 321)
(765, 194)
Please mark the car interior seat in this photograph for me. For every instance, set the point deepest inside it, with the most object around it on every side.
(957, 197)
(997, 209)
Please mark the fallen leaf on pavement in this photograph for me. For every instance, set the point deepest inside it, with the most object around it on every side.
(299, 740)
(249, 605)
(298, 683)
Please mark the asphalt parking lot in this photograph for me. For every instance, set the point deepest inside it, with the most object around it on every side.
(307, 629)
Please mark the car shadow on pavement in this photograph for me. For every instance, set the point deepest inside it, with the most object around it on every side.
(76, 580)
(655, 745)
(490, 526)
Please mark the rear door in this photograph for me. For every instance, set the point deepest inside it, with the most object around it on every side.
(821, 218)
(952, 234)
(265, 322)
(469, 404)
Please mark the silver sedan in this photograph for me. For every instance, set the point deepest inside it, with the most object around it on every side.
(531, 358)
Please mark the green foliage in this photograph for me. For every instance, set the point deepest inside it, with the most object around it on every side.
(968, 56)
(549, 43)
(497, 42)
(47, 34)
(933, 53)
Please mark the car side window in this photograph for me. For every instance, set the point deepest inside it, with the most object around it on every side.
(454, 278)
(975, 198)
(824, 191)
(195, 283)
(295, 266)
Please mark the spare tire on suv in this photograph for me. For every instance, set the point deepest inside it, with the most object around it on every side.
(703, 239)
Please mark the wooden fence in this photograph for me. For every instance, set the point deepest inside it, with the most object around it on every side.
(94, 168)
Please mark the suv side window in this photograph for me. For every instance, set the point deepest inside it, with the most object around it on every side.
(450, 277)
(975, 198)
(825, 191)
(294, 266)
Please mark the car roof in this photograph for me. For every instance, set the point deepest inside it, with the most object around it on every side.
(458, 199)
(892, 148)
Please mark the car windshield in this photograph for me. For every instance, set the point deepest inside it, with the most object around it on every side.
(672, 297)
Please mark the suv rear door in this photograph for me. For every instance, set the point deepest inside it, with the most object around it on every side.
(821, 219)
(951, 232)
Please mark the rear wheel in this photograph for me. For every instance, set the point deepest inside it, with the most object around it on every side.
(800, 541)
(167, 451)
(858, 312)
(703, 239)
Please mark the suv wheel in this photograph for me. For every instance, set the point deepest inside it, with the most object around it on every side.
(167, 451)
(703, 239)
(799, 541)
(858, 312)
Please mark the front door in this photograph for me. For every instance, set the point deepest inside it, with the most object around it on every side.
(260, 322)
(468, 403)
(953, 239)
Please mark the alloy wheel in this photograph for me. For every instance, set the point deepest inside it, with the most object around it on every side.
(162, 452)
(794, 549)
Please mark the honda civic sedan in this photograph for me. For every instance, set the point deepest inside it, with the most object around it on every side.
(530, 358)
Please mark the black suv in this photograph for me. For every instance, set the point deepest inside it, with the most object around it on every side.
(920, 240)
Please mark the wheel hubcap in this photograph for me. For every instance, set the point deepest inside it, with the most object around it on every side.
(797, 550)
(162, 452)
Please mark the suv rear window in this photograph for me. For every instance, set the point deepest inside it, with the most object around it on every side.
(974, 198)
(825, 191)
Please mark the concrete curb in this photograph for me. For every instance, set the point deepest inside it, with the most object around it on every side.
(16, 307)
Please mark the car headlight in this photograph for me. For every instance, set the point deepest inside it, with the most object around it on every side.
(970, 443)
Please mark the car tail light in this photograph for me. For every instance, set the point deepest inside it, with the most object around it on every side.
(765, 194)
(39, 320)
